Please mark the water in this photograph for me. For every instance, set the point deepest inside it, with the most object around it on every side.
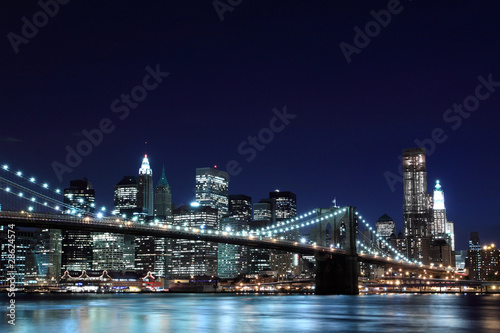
(145, 313)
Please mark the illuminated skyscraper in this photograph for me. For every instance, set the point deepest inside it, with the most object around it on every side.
(385, 228)
(285, 207)
(125, 196)
(285, 204)
(194, 257)
(145, 188)
(108, 251)
(232, 259)
(473, 262)
(212, 186)
(77, 245)
(438, 227)
(163, 199)
(81, 196)
(417, 215)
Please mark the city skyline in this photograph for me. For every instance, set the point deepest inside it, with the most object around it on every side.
(232, 80)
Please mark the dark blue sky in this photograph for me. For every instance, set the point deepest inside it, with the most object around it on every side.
(226, 77)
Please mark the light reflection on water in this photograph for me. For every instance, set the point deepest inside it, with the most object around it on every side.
(253, 313)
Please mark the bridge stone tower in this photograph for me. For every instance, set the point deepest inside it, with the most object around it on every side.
(337, 273)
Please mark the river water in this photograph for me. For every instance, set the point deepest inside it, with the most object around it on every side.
(147, 313)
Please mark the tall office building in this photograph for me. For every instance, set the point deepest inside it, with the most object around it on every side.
(263, 210)
(80, 196)
(473, 261)
(107, 252)
(145, 188)
(232, 259)
(385, 227)
(77, 245)
(212, 186)
(149, 251)
(163, 199)
(438, 226)
(285, 207)
(194, 257)
(125, 196)
(263, 216)
(125, 204)
(23, 272)
(285, 204)
(417, 215)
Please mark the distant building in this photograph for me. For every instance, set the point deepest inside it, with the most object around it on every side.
(125, 196)
(163, 199)
(285, 207)
(145, 188)
(80, 196)
(285, 204)
(23, 271)
(232, 259)
(77, 245)
(212, 188)
(473, 262)
(125, 204)
(385, 227)
(439, 224)
(194, 257)
(263, 211)
(417, 216)
(149, 251)
(490, 257)
(107, 252)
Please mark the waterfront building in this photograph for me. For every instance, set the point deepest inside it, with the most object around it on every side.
(285, 208)
(194, 257)
(232, 259)
(76, 244)
(107, 252)
(417, 215)
(473, 262)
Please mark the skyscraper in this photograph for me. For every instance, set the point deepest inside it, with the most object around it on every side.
(77, 245)
(145, 188)
(194, 257)
(285, 207)
(473, 262)
(80, 196)
(285, 204)
(438, 226)
(232, 259)
(125, 196)
(385, 228)
(163, 199)
(108, 251)
(417, 215)
(212, 186)
(263, 215)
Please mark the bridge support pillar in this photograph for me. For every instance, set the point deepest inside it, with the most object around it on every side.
(337, 275)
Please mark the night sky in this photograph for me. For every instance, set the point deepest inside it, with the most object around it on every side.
(347, 121)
